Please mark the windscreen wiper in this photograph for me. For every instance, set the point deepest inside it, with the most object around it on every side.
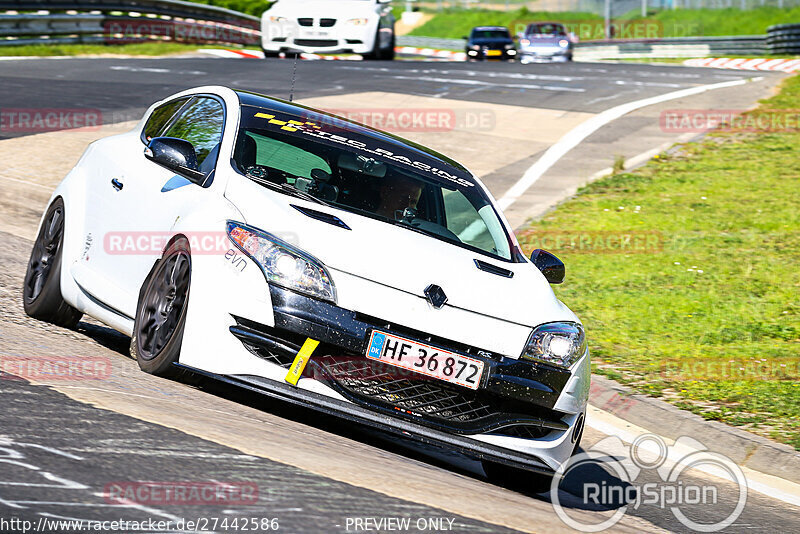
(286, 188)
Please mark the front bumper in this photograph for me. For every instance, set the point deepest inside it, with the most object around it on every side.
(515, 398)
(545, 54)
(337, 39)
(405, 429)
(489, 53)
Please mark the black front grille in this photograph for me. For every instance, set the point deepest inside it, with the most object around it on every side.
(413, 392)
(316, 42)
(327, 23)
(425, 399)
(305, 22)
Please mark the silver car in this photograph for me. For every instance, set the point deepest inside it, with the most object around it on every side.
(545, 41)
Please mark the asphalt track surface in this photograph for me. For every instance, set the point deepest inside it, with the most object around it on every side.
(123, 88)
(62, 444)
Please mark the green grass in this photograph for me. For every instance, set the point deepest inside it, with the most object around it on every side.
(134, 49)
(718, 285)
(668, 23)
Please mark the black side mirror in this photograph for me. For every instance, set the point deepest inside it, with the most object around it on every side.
(176, 155)
(552, 268)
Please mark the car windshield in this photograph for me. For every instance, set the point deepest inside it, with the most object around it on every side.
(546, 29)
(490, 34)
(293, 157)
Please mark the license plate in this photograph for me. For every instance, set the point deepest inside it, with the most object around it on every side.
(493, 52)
(430, 361)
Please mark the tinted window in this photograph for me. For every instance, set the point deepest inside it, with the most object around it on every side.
(289, 154)
(160, 117)
(285, 157)
(490, 34)
(200, 124)
(546, 29)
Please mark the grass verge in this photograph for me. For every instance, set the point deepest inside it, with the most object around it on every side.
(705, 311)
(133, 49)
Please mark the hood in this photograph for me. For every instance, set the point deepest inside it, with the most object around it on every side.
(400, 258)
(321, 9)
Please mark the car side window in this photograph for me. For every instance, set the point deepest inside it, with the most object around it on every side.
(160, 117)
(201, 124)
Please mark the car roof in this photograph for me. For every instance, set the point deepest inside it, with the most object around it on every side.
(357, 131)
(490, 28)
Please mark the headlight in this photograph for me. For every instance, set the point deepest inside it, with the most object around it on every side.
(283, 264)
(278, 19)
(524, 42)
(563, 43)
(358, 22)
(556, 343)
(475, 47)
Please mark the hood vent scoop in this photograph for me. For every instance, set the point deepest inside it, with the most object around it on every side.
(494, 269)
(322, 216)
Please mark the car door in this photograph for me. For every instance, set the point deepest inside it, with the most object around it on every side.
(97, 270)
(161, 198)
(142, 200)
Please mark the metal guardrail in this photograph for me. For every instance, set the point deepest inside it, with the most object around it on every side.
(123, 21)
(431, 42)
(783, 39)
(675, 47)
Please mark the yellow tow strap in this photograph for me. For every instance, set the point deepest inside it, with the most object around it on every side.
(300, 361)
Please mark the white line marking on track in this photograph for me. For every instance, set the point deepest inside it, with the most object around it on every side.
(575, 136)
(461, 81)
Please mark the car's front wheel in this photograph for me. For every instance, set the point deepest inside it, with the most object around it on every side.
(161, 312)
(41, 291)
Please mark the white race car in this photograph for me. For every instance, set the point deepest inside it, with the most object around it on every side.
(326, 26)
(317, 260)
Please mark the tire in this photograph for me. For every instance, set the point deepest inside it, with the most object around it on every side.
(376, 52)
(161, 312)
(270, 53)
(41, 289)
(390, 53)
(517, 479)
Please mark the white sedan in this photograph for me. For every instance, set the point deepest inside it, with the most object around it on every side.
(319, 261)
(326, 26)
